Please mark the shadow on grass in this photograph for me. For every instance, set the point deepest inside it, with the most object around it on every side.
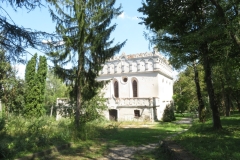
(206, 143)
(111, 137)
(22, 144)
(80, 150)
(141, 135)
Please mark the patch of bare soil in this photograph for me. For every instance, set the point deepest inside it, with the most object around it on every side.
(127, 153)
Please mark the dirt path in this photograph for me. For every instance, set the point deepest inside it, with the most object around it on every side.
(127, 153)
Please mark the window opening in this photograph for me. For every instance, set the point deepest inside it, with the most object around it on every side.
(136, 113)
(116, 89)
(134, 86)
(125, 79)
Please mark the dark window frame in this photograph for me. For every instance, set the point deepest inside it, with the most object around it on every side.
(116, 89)
(137, 114)
(135, 88)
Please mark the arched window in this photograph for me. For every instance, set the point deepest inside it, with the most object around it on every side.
(116, 89)
(134, 88)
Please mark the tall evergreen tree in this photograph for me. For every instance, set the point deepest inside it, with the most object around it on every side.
(35, 87)
(30, 95)
(85, 29)
(41, 78)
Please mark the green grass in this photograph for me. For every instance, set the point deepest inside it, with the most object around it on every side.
(158, 154)
(136, 135)
(207, 143)
(184, 115)
(20, 137)
(112, 134)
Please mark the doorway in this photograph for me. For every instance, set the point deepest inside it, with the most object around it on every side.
(113, 115)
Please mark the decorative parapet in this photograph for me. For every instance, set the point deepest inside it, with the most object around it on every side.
(133, 102)
(142, 62)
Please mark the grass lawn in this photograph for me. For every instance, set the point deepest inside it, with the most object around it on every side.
(20, 137)
(135, 134)
(206, 143)
(185, 114)
(112, 134)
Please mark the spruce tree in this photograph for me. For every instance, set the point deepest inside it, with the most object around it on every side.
(85, 29)
(15, 39)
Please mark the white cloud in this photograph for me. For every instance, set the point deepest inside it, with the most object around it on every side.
(21, 70)
(123, 15)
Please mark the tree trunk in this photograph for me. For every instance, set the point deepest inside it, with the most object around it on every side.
(210, 89)
(227, 104)
(201, 113)
(51, 111)
(238, 104)
(78, 99)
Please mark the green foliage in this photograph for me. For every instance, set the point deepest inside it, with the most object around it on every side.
(11, 87)
(93, 108)
(55, 88)
(16, 39)
(41, 79)
(21, 136)
(189, 31)
(168, 114)
(185, 96)
(35, 87)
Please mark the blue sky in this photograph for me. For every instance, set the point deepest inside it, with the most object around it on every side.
(127, 25)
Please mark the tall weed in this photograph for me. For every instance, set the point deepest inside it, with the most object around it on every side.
(20, 136)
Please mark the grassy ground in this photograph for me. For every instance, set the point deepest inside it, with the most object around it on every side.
(157, 154)
(125, 133)
(185, 114)
(206, 143)
(20, 137)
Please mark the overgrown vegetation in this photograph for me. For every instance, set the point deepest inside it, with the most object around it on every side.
(20, 137)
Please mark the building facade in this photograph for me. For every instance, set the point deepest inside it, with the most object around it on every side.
(138, 86)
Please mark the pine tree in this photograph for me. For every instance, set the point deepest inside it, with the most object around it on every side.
(85, 29)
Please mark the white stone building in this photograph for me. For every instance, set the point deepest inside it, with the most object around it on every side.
(139, 86)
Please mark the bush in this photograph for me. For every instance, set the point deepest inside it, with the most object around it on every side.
(168, 114)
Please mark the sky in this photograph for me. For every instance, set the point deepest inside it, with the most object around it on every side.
(128, 27)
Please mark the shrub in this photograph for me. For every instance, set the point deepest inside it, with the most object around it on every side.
(168, 114)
